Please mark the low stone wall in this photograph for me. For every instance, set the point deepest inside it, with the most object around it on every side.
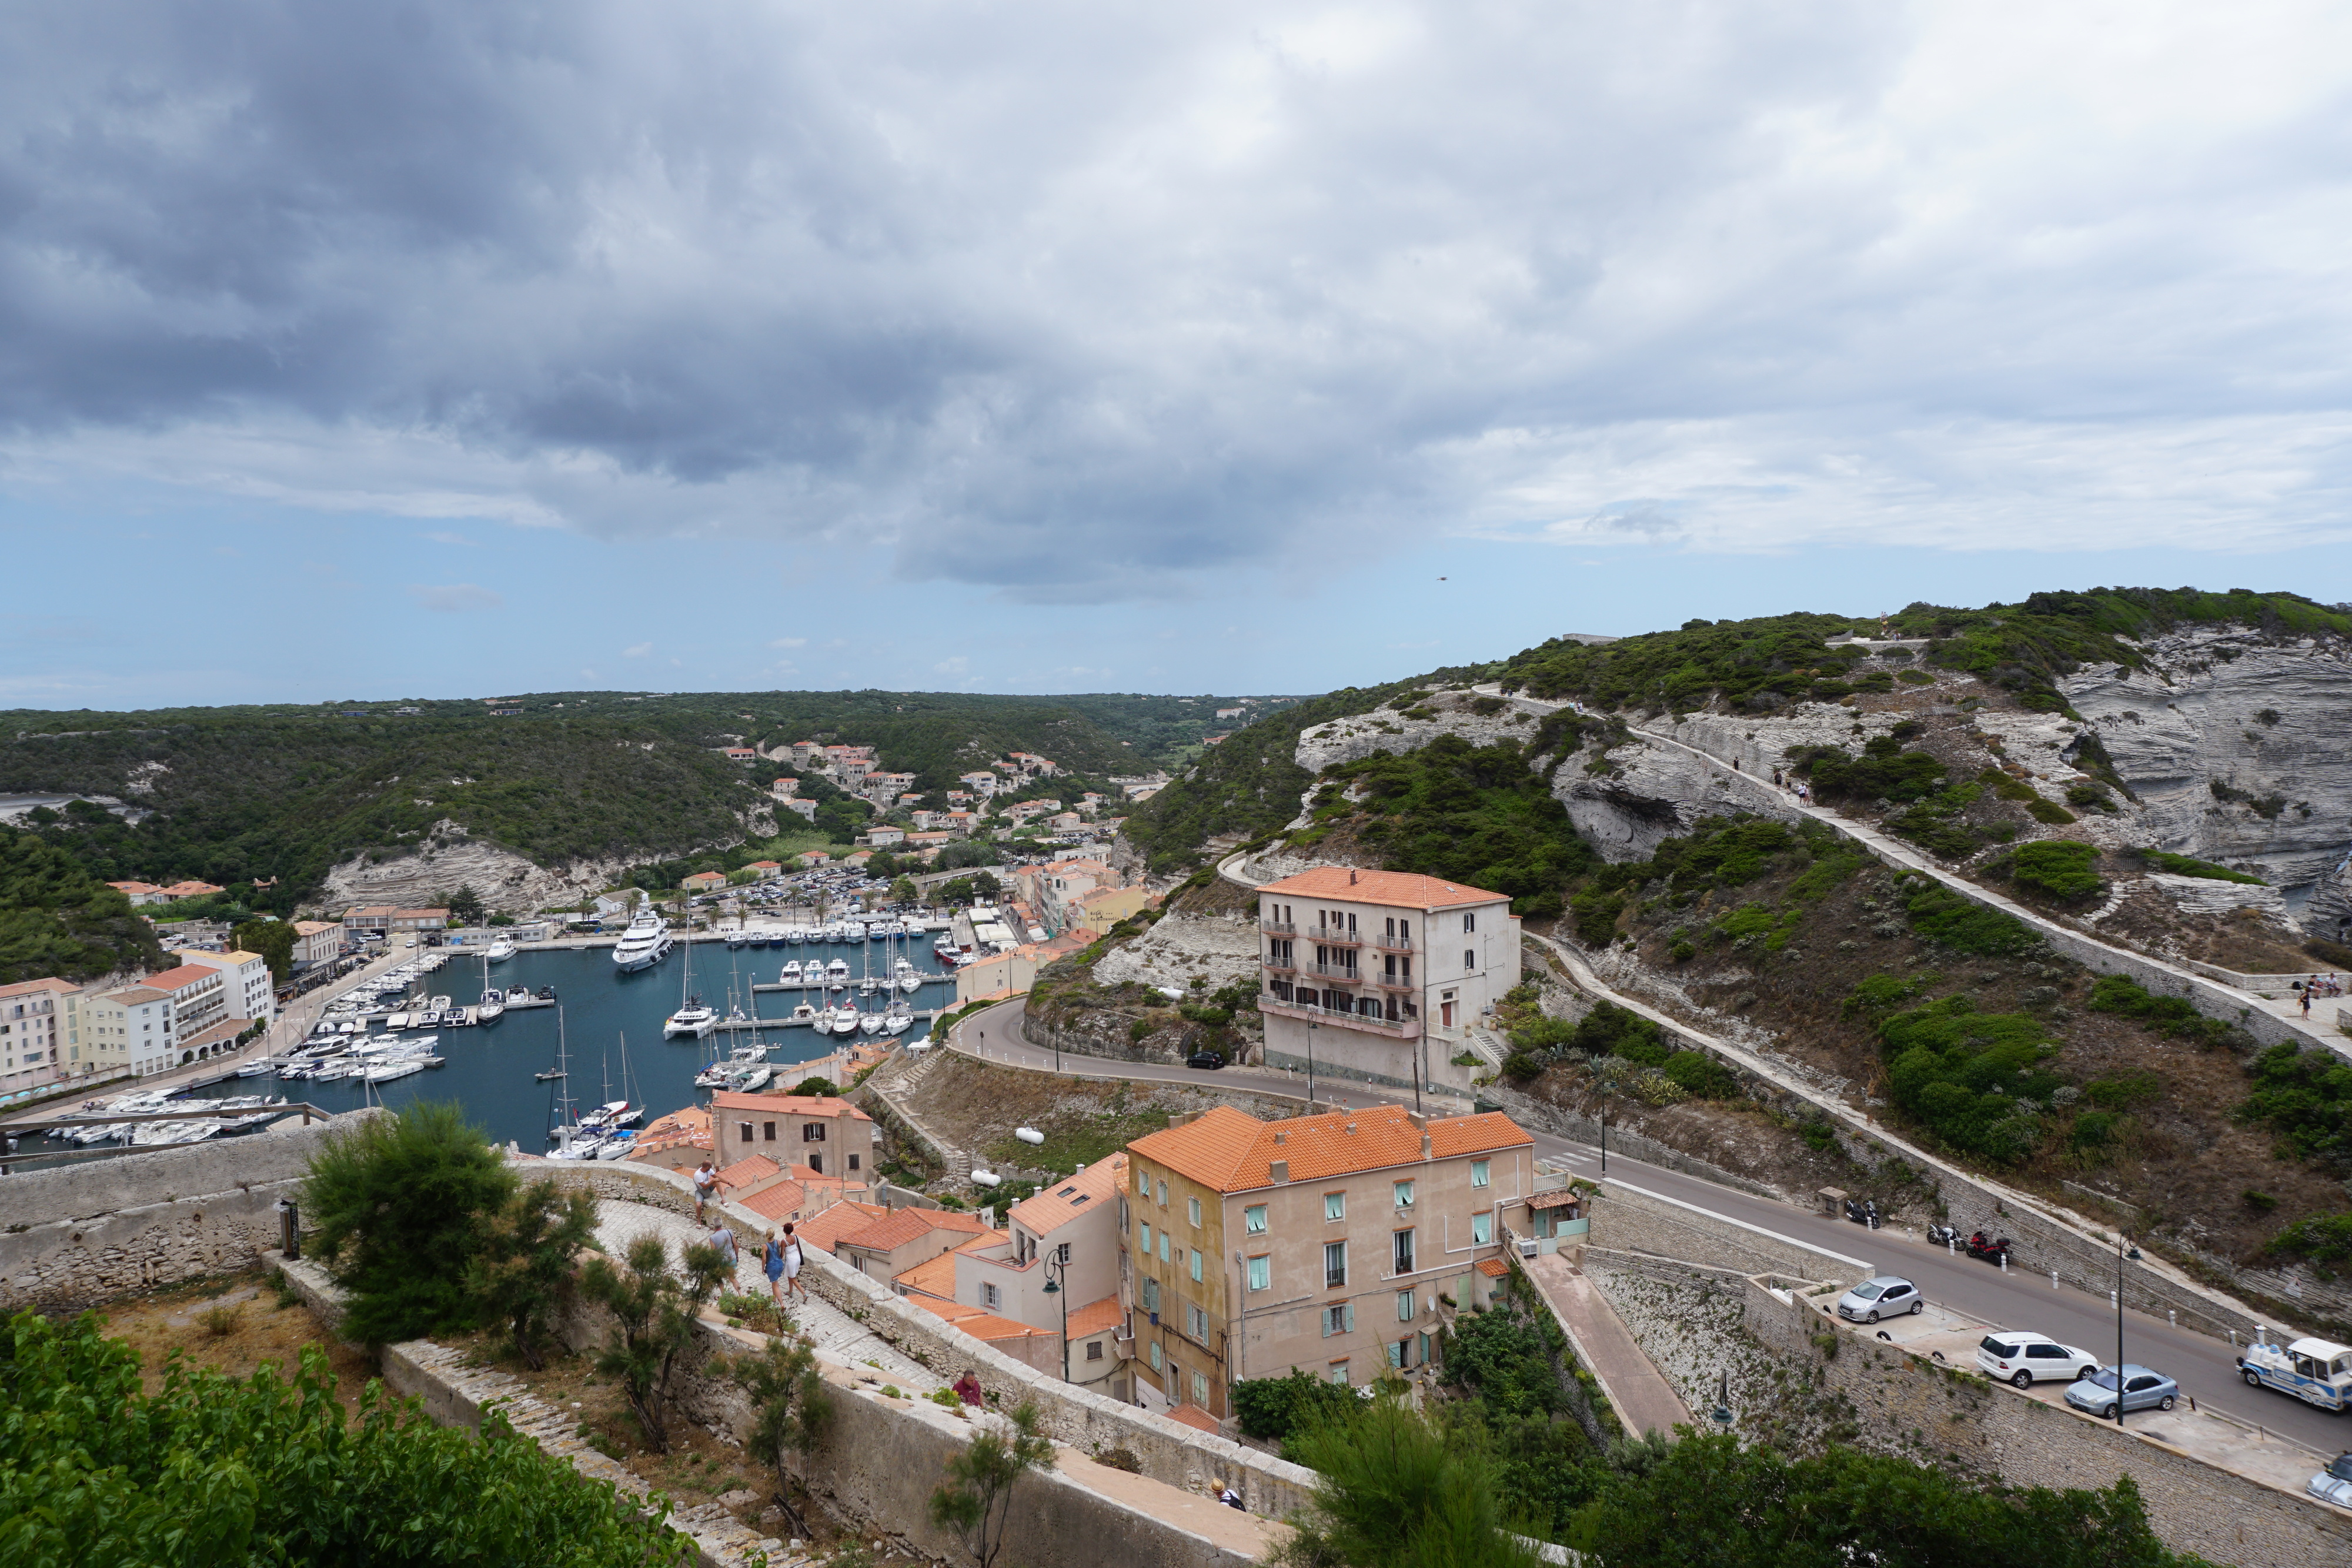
(79, 1234)
(1959, 1417)
(1114, 1047)
(1627, 1221)
(1165, 1450)
(1543, 1116)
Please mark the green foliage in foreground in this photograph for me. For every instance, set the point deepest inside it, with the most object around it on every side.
(211, 1469)
(1273, 1410)
(2163, 1015)
(1966, 1076)
(402, 1205)
(2304, 1094)
(1394, 1493)
(58, 919)
(2063, 868)
(1477, 815)
(1707, 1502)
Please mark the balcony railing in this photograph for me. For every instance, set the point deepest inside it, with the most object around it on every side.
(1283, 965)
(1395, 982)
(1277, 927)
(1333, 936)
(1397, 1028)
(1346, 973)
(1398, 943)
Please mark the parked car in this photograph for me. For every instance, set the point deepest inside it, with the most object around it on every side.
(2333, 1484)
(1208, 1059)
(2144, 1388)
(1883, 1296)
(2025, 1359)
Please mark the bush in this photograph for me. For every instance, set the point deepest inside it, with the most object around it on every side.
(402, 1203)
(1273, 1410)
(823, 1087)
(1884, 771)
(1942, 916)
(2049, 811)
(1394, 1492)
(2164, 1014)
(215, 1469)
(2185, 866)
(1701, 1075)
(2324, 1239)
(2304, 1095)
(2063, 868)
(1966, 1075)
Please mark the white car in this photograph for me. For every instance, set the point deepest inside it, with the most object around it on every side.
(2025, 1359)
(1883, 1296)
(2333, 1484)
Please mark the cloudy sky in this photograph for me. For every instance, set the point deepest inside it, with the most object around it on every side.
(449, 348)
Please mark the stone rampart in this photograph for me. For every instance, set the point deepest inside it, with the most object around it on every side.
(1626, 1220)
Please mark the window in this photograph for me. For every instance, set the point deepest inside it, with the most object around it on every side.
(1192, 1211)
(852, 1162)
(1404, 1194)
(1163, 1195)
(1143, 1226)
(1142, 1183)
(1152, 1296)
(1155, 1355)
(812, 1132)
(1335, 1206)
(1482, 1173)
(767, 1132)
(1339, 1320)
(1094, 1350)
(1334, 1264)
(1469, 923)
(1196, 1265)
(817, 1163)
(1404, 1306)
(1339, 1373)
(1254, 1219)
(1482, 1229)
(1201, 1389)
(991, 1297)
(1196, 1323)
(1261, 1272)
(1404, 1251)
(746, 1129)
(1469, 957)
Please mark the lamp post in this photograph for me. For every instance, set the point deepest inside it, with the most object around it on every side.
(1311, 1064)
(1057, 1269)
(2119, 1328)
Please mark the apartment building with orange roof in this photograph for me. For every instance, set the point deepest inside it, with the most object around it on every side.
(1342, 1243)
(886, 1247)
(1379, 975)
(831, 1136)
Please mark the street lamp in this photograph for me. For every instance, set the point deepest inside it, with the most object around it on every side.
(1057, 1269)
(1311, 1064)
(2119, 1328)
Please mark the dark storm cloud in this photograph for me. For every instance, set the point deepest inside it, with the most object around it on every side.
(1081, 301)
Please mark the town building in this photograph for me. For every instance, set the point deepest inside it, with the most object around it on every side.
(31, 1035)
(317, 942)
(1342, 1243)
(1381, 974)
(812, 858)
(141, 894)
(1103, 907)
(829, 1135)
(1009, 972)
(805, 808)
(703, 882)
(884, 1248)
(381, 919)
(1031, 766)
(983, 784)
(130, 1029)
(200, 997)
(765, 871)
(882, 838)
(784, 789)
(252, 993)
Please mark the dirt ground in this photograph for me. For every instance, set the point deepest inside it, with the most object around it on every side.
(976, 1106)
(233, 1324)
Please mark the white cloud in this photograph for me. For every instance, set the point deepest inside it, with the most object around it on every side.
(439, 538)
(587, 674)
(636, 651)
(789, 643)
(957, 666)
(456, 597)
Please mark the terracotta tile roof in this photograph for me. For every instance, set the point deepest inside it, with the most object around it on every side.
(789, 1105)
(749, 1169)
(932, 1277)
(172, 980)
(1408, 889)
(1193, 1416)
(1090, 1189)
(907, 1225)
(1096, 1316)
(1232, 1151)
(780, 1202)
(1493, 1268)
(983, 1326)
(841, 1219)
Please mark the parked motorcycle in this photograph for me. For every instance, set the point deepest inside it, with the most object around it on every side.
(1863, 1211)
(1985, 1247)
(1943, 1235)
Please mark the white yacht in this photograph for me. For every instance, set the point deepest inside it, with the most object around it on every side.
(695, 1018)
(501, 950)
(836, 973)
(644, 944)
(802, 1017)
(791, 974)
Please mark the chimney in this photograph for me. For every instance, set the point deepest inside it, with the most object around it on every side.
(1280, 1171)
(1424, 1146)
(1352, 876)
(1280, 1136)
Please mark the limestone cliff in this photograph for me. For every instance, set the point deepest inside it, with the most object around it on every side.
(447, 859)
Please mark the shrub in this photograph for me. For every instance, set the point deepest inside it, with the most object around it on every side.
(1596, 915)
(402, 1203)
(2164, 1015)
(2090, 795)
(2186, 866)
(1701, 1075)
(824, 1087)
(1612, 1031)
(2063, 868)
(2304, 1095)
(1964, 1075)
(2324, 1239)
(653, 1311)
(975, 1498)
(2049, 811)
(1273, 1410)
(525, 1262)
(1942, 916)
(1884, 771)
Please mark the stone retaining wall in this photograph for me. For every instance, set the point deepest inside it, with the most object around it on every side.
(1628, 1221)
(79, 1234)
(1167, 1451)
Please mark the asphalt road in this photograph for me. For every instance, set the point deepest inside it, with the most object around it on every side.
(2205, 1368)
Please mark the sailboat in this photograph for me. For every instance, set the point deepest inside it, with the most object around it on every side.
(560, 1069)
(691, 1017)
(574, 1142)
(494, 1000)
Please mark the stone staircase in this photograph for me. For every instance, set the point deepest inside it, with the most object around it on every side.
(902, 1077)
(1487, 1046)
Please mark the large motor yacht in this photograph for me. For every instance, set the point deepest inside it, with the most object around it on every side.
(644, 944)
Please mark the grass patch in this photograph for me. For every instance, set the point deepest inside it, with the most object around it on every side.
(1088, 1142)
(2186, 866)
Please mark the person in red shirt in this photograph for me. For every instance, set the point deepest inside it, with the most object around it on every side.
(967, 1387)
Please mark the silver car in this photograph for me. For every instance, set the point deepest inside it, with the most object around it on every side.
(1881, 1296)
(2144, 1388)
(2333, 1484)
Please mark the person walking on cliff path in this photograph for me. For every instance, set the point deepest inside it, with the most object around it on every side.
(792, 1259)
(2306, 1003)
(771, 1264)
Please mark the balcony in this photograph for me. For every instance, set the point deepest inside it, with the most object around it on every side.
(1277, 927)
(1333, 936)
(1339, 974)
(1395, 982)
(1331, 1017)
(1283, 965)
(1399, 944)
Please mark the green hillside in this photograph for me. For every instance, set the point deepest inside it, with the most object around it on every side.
(58, 919)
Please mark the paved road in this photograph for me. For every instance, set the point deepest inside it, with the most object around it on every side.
(2204, 1368)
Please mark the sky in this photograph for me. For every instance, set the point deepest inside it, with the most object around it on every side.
(446, 350)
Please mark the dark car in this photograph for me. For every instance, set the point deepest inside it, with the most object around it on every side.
(1208, 1059)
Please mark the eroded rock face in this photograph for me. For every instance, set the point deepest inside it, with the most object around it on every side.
(1627, 802)
(1180, 949)
(2264, 721)
(446, 859)
(1359, 736)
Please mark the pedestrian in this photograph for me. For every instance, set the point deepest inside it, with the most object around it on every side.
(967, 1388)
(706, 1187)
(792, 1265)
(1228, 1495)
(2307, 1001)
(771, 1264)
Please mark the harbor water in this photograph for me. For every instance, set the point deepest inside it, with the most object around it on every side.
(488, 1069)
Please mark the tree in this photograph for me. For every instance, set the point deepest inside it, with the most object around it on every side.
(1395, 1493)
(466, 907)
(273, 940)
(976, 1498)
(1274, 1408)
(823, 1086)
(653, 1311)
(903, 890)
(791, 1408)
(401, 1202)
(526, 1260)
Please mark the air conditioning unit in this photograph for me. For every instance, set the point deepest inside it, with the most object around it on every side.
(1527, 1245)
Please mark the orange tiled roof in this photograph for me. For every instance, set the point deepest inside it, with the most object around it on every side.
(982, 1325)
(1091, 1188)
(841, 1219)
(789, 1105)
(1193, 1416)
(907, 1225)
(1232, 1152)
(1096, 1316)
(172, 980)
(931, 1277)
(780, 1202)
(1493, 1268)
(750, 1168)
(1409, 890)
